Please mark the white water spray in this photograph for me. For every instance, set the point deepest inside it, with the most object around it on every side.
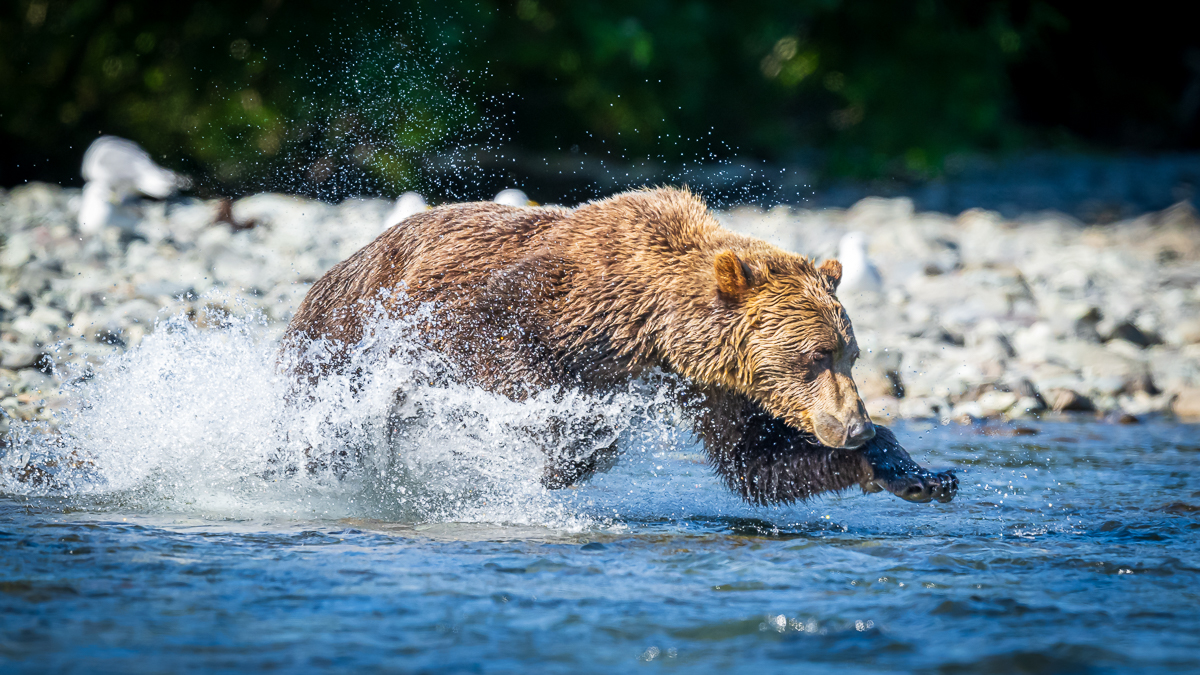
(208, 422)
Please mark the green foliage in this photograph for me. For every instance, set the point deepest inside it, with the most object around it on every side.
(337, 98)
(880, 86)
(307, 96)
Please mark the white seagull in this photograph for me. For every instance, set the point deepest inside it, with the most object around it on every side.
(409, 203)
(859, 274)
(513, 197)
(115, 169)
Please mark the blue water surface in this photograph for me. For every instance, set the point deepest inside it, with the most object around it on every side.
(1071, 548)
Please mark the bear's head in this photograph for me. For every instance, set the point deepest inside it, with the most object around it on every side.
(794, 343)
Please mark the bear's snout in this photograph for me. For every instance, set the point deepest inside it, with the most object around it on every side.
(841, 419)
(850, 434)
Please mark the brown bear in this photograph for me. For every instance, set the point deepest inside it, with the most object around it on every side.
(524, 299)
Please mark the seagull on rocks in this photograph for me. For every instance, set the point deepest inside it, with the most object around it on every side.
(115, 169)
(859, 274)
(409, 203)
(513, 197)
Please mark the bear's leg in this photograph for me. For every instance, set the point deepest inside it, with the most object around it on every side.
(766, 461)
(564, 471)
(575, 450)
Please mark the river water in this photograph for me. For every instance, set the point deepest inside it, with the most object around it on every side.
(1075, 550)
(185, 544)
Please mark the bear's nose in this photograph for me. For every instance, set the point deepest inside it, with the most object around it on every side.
(859, 431)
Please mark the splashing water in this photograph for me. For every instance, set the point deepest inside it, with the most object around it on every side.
(210, 421)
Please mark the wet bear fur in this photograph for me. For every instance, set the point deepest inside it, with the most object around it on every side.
(524, 299)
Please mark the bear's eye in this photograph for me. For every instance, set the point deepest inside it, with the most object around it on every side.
(822, 357)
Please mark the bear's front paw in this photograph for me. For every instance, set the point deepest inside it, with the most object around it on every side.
(889, 467)
(922, 486)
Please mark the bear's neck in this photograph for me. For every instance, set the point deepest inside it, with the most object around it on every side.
(643, 291)
(671, 318)
(701, 335)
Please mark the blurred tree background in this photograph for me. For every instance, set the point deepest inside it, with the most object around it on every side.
(335, 99)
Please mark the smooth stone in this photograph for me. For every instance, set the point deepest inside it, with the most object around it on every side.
(1066, 400)
(1186, 404)
(993, 402)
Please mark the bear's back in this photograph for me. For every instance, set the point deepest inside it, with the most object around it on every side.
(449, 251)
(577, 280)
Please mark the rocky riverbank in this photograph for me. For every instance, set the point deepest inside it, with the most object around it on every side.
(977, 316)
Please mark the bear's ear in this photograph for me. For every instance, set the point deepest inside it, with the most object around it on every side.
(734, 276)
(831, 270)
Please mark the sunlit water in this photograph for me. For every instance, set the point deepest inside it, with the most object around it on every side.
(188, 537)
